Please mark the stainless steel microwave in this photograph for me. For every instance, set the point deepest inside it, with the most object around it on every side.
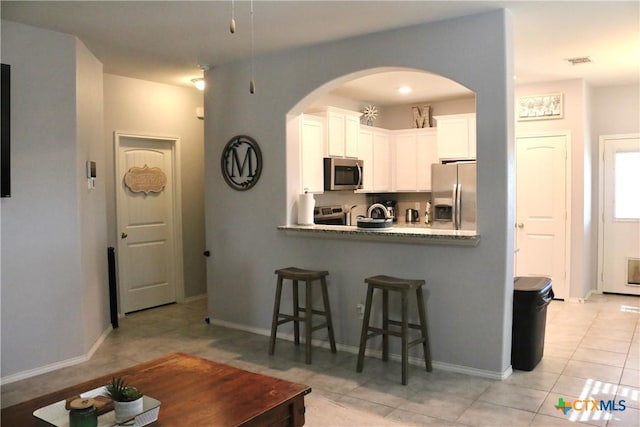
(342, 174)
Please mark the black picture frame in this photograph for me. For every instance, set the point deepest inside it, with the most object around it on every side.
(5, 130)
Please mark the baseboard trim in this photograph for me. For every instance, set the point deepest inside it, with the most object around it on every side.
(194, 298)
(584, 299)
(57, 365)
(448, 367)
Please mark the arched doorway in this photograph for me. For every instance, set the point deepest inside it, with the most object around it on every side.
(397, 142)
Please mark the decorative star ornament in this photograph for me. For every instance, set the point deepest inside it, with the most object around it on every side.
(370, 113)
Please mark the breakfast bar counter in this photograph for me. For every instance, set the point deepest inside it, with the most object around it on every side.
(415, 235)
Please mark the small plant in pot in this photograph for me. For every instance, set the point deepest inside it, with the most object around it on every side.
(127, 400)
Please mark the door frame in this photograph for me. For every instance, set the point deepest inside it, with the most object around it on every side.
(601, 143)
(567, 195)
(177, 203)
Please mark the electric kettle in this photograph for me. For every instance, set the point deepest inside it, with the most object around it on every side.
(412, 215)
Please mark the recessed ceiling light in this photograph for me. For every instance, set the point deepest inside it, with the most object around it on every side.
(404, 89)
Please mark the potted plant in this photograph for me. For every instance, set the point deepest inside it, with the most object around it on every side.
(127, 400)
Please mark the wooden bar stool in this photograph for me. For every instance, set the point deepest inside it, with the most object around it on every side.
(308, 276)
(386, 284)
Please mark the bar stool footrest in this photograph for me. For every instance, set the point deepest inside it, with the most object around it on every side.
(380, 331)
(399, 323)
(320, 326)
(289, 318)
(416, 342)
(314, 311)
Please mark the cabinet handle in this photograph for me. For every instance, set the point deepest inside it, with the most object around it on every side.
(124, 235)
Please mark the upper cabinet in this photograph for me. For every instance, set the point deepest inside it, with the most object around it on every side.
(312, 130)
(374, 148)
(414, 151)
(343, 131)
(456, 136)
(365, 149)
(381, 161)
(394, 160)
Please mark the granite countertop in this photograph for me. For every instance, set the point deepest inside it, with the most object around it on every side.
(406, 233)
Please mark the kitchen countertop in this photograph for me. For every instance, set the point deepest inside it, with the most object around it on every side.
(405, 233)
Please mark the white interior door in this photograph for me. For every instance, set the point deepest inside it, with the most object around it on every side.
(620, 236)
(541, 209)
(147, 243)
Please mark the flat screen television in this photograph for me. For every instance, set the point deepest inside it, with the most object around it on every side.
(5, 131)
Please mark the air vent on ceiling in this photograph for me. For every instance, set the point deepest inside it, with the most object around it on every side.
(579, 60)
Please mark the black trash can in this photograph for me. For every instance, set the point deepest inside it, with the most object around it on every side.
(531, 296)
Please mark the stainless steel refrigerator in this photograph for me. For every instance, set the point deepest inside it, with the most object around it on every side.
(453, 196)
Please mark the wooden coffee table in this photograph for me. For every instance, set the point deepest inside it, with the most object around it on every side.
(193, 392)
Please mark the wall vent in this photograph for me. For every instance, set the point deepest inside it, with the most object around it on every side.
(633, 271)
(579, 60)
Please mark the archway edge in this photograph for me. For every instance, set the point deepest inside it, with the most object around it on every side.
(336, 82)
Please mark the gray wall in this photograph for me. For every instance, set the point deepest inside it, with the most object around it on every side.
(55, 232)
(470, 289)
(54, 273)
(149, 108)
(92, 203)
(399, 117)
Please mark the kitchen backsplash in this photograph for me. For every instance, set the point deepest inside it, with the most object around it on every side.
(362, 201)
(404, 201)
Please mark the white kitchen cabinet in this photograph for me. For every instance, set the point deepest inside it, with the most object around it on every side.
(381, 161)
(427, 154)
(365, 150)
(456, 136)
(374, 148)
(414, 152)
(343, 131)
(312, 143)
(404, 165)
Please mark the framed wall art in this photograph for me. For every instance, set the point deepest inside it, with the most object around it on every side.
(540, 107)
(241, 162)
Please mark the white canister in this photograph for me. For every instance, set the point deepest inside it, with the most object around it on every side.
(306, 203)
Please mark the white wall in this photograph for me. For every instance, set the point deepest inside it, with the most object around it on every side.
(614, 110)
(589, 112)
(574, 121)
(149, 108)
(52, 273)
(470, 289)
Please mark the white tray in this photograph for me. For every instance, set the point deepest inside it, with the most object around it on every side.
(57, 415)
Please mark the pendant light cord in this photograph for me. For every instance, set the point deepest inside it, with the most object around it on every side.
(252, 83)
(232, 24)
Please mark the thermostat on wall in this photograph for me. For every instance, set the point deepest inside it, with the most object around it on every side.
(91, 174)
(91, 169)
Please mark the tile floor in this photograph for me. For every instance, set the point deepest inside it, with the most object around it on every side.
(592, 351)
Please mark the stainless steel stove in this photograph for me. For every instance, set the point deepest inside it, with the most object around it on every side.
(329, 215)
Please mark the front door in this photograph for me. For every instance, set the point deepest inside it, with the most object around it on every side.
(541, 208)
(620, 237)
(147, 244)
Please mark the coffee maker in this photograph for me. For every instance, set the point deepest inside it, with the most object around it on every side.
(392, 208)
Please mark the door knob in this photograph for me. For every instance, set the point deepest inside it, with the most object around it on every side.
(520, 225)
(124, 235)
